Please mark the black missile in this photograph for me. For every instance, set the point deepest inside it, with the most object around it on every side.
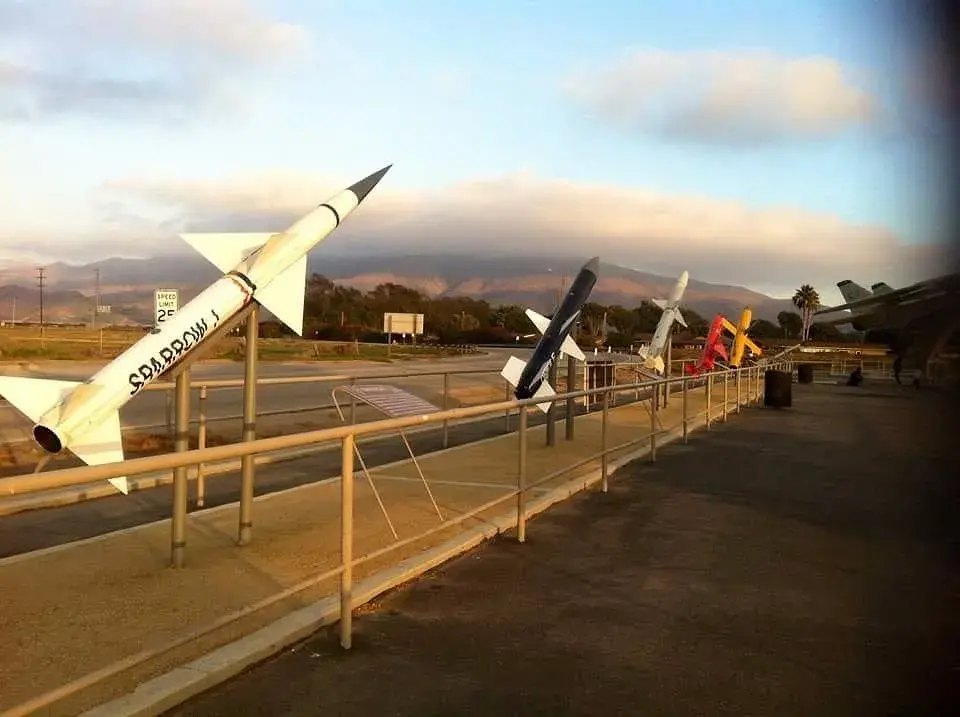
(529, 379)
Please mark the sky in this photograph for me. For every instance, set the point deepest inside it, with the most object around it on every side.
(763, 144)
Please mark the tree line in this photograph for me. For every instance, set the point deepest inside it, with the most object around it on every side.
(342, 313)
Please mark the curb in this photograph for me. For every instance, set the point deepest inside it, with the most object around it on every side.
(162, 693)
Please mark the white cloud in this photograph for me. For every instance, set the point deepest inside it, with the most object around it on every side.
(717, 240)
(104, 56)
(739, 97)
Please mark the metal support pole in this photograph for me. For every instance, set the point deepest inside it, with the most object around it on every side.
(522, 478)
(571, 402)
(603, 441)
(552, 413)
(507, 396)
(684, 419)
(346, 541)
(653, 428)
(201, 444)
(168, 401)
(446, 405)
(668, 370)
(249, 425)
(178, 532)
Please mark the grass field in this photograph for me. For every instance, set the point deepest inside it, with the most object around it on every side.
(79, 343)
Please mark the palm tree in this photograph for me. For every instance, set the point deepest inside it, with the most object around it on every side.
(807, 300)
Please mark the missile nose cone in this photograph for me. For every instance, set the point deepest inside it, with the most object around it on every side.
(366, 185)
(593, 266)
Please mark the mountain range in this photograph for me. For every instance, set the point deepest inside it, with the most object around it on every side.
(127, 285)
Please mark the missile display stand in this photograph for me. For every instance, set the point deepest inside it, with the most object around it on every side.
(392, 402)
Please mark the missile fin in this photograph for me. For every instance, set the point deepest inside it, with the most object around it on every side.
(103, 444)
(539, 320)
(679, 318)
(284, 296)
(513, 369)
(225, 251)
(656, 364)
(570, 348)
(34, 396)
(544, 391)
(660, 303)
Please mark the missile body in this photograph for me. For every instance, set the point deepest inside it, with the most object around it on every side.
(267, 268)
(529, 379)
(740, 338)
(653, 354)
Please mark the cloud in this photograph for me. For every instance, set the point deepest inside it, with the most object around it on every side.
(735, 97)
(776, 248)
(108, 56)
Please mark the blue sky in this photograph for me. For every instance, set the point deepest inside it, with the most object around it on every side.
(220, 93)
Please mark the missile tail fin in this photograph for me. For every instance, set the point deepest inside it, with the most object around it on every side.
(284, 296)
(679, 318)
(34, 396)
(660, 303)
(103, 444)
(225, 251)
(570, 348)
(545, 391)
(512, 370)
(539, 320)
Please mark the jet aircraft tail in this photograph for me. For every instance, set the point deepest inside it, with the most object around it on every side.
(512, 371)
(34, 397)
(851, 291)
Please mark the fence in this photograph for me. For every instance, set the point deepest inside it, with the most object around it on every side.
(740, 387)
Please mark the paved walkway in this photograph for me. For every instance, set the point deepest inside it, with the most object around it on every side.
(794, 562)
(81, 607)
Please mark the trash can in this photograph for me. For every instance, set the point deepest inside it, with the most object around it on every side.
(805, 373)
(777, 388)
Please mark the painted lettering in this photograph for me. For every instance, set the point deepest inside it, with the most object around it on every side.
(169, 354)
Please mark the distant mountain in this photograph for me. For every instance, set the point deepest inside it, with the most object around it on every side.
(127, 284)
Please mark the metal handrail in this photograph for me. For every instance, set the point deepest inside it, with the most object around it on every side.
(344, 570)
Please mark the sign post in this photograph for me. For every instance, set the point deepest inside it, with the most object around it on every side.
(165, 305)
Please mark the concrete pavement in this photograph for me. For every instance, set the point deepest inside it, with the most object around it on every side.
(114, 595)
(796, 562)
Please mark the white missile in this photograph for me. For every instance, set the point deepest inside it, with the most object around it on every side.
(653, 354)
(268, 268)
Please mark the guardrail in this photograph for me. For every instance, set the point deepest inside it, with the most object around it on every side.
(748, 385)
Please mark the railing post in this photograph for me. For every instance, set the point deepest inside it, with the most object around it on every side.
(178, 523)
(684, 419)
(726, 383)
(201, 444)
(571, 402)
(346, 541)
(737, 408)
(353, 403)
(709, 386)
(249, 424)
(522, 477)
(446, 405)
(168, 400)
(603, 441)
(507, 395)
(653, 426)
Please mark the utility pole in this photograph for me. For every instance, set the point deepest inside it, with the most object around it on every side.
(96, 297)
(40, 277)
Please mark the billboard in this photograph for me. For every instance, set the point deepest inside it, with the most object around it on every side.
(395, 323)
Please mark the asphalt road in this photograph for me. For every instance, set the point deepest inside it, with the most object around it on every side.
(792, 562)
